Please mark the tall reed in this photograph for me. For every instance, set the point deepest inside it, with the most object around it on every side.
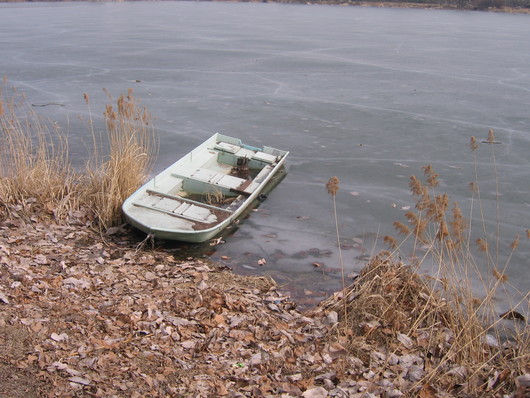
(131, 144)
(450, 314)
(35, 166)
(332, 188)
(470, 288)
(34, 163)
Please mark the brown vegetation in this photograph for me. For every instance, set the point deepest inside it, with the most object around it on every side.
(34, 161)
(457, 343)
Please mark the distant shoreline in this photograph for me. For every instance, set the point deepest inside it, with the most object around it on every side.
(472, 5)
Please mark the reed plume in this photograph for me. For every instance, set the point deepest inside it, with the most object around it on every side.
(473, 144)
(401, 228)
(482, 244)
(332, 187)
(499, 275)
(416, 186)
(432, 177)
(458, 224)
(391, 241)
(491, 137)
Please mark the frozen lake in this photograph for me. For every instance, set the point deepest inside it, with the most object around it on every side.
(366, 94)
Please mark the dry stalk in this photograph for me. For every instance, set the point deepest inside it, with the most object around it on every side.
(332, 188)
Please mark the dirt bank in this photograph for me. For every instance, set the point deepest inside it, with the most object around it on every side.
(83, 314)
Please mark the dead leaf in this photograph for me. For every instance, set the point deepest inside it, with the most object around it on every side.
(59, 337)
(143, 323)
(255, 359)
(215, 242)
(76, 283)
(427, 391)
(79, 380)
(337, 350)
(219, 319)
(317, 392)
(405, 340)
(41, 259)
(189, 344)
(3, 298)
(332, 318)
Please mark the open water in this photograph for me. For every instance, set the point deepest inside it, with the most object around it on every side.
(366, 94)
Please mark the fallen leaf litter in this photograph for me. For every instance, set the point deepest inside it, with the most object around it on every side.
(86, 315)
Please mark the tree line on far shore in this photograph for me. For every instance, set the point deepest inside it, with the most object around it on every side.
(454, 4)
(510, 5)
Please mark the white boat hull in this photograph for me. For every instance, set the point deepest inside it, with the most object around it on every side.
(177, 203)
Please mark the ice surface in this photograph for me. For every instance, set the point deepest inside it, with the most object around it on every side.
(369, 95)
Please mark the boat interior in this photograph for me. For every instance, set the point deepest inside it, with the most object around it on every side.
(209, 184)
(228, 170)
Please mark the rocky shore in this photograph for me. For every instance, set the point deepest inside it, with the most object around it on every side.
(90, 314)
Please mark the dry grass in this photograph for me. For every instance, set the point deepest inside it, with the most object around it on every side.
(116, 175)
(469, 348)
(33, 160)
(36, 175)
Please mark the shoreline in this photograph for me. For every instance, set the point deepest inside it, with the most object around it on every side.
(91, 314)
(382, 4)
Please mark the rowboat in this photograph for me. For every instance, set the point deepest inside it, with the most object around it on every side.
(200, 195)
